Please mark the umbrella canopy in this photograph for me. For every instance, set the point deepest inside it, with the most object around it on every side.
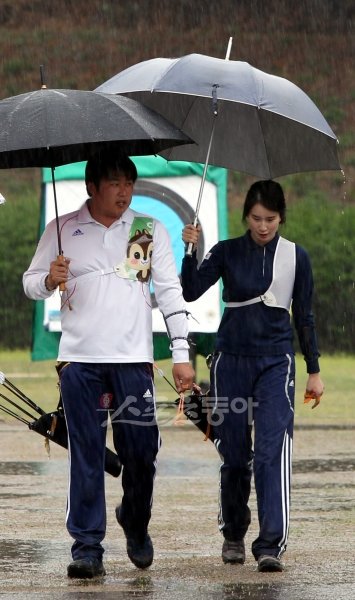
(48, 128)
(262, 124)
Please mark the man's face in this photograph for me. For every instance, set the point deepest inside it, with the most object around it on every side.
(110, 200)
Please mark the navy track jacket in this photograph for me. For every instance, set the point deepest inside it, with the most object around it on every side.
(246, 271)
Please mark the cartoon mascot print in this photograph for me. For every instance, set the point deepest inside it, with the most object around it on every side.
(139, 254)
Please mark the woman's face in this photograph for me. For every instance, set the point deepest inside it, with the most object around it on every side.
(263, 224)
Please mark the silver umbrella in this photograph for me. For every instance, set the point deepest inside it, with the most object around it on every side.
(240, 117)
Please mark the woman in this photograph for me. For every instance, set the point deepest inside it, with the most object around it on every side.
(253, 368)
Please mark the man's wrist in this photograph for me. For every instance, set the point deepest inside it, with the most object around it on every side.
(47, 283)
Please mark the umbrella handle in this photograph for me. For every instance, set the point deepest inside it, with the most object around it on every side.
(190, 246)
(62, 286)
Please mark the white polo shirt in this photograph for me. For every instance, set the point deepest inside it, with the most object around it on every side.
(111, 317)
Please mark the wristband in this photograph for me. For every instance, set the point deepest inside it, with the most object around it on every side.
(46, 284)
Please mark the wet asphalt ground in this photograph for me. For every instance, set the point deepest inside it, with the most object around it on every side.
(35, 546)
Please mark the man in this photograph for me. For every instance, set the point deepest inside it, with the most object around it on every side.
(111, 253)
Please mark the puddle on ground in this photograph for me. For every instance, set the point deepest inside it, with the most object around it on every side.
(29, 555)
(320, 465)
(21, 468)
(180, 468)
(165, 590)
(17, 495)
(177, 467)
(32, 468)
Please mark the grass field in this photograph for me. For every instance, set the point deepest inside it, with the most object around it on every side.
(38, 380)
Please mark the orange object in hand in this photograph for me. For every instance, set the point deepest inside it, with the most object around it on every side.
(180, 418)
(309, 395)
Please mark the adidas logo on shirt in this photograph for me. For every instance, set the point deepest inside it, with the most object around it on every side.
(78, 232)
(292, 383)
(147, 394)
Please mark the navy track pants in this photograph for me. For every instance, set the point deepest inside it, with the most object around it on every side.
(90, 392)
(254, 395)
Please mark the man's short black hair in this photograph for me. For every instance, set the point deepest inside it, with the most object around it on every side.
(107, 163)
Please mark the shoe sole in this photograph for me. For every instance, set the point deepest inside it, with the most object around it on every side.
(78, 574)
(270, 567)
(233, 561)
(234, 555)
(137, 563)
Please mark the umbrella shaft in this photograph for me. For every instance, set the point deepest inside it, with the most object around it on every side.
(60, 251)
(190, 246)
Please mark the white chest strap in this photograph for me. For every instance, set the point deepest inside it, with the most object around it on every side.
(136, 269)
(279, 294)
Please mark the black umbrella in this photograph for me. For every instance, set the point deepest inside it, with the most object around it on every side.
(51, 425)
(49, 128)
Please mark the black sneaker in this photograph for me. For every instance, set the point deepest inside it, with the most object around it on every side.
(139, 549)
(233, 552)
(86, 568)
(268, 564)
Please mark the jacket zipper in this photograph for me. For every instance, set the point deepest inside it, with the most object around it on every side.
(264, 262)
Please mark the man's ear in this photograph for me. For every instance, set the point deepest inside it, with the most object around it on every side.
(90, 188)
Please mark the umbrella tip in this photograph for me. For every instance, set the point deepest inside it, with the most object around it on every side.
(41, 72)
(229, 48)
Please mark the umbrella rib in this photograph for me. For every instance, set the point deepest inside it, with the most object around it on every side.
(264, 145)
(190, 109)
(274, 112)
(299, 122)
(195, 99)
(160, 76)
